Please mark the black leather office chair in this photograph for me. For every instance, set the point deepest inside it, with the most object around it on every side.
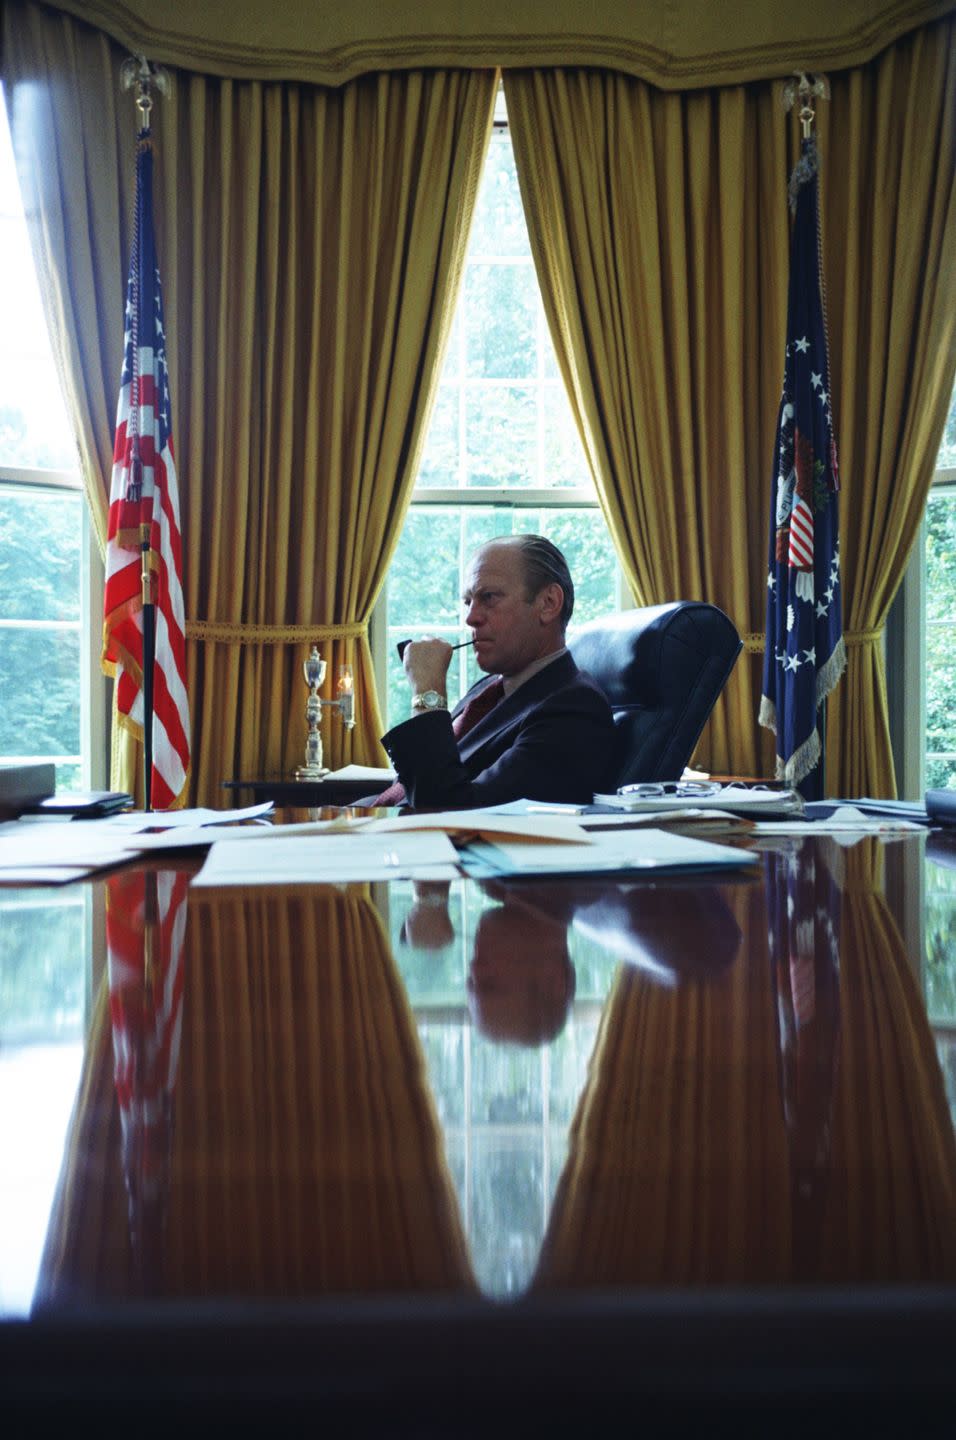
(662, 668)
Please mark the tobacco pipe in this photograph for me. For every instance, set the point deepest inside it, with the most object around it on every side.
(400, 647)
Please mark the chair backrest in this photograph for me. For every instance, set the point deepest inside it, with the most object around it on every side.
(662, 668)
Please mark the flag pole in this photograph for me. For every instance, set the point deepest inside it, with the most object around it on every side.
(804, 653)
(144, 104)
(144, 621)
(138, 71)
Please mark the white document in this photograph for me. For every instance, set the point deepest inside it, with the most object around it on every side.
(375, 774)
(134, 820)
(556, 828)
(87, 845)
(621, 851)
(328, 859)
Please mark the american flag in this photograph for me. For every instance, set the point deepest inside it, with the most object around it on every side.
(804, 655)
(144, 493)
(145, 930)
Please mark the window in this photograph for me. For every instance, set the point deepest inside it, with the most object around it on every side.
(940, 562)
(921, 642)
(45, 616)
(502, 453)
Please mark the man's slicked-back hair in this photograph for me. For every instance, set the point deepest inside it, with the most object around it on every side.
(545, 565)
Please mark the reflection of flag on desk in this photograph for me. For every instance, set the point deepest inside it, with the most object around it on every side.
(145, 928)
(804, 653)
(804, 902)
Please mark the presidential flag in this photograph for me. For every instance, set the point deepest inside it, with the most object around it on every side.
(144, 512)
(804, 655)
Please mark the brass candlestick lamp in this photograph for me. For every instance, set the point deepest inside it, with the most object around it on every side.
(314, 671)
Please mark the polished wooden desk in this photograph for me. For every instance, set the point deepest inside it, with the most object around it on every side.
(289, 793)
(426, 1157)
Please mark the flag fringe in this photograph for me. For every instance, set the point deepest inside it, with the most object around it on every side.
(829, 674)
(767, 714)
(802, 761)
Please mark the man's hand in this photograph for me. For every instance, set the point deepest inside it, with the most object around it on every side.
(426, 664)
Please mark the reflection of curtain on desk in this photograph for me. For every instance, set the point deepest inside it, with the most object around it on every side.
(686, 1161)
(306, 1157)
(892, 1210)
(677, 1163)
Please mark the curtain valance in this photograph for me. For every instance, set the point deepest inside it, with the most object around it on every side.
(673, 44)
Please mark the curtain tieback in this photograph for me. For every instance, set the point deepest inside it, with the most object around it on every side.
(754, 643)
(225, 633)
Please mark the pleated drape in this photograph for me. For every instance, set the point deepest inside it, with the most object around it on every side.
(659, 229)
(303, 1155)
(310, 242)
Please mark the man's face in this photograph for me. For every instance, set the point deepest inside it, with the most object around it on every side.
(521, 980)
(510, 630)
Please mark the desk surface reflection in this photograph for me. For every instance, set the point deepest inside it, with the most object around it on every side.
(534, 1094)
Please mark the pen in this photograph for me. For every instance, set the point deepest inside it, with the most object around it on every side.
(400, 647)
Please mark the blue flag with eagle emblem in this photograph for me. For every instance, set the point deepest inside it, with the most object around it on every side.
(804, 655)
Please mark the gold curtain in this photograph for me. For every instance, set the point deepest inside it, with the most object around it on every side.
(302, 1153)
(311, 244)
(659, 229)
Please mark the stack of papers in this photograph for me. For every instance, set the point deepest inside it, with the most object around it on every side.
(754, 801)
(616, 852)
(39, 850)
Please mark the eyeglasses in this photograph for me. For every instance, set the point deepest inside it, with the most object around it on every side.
(686, 789)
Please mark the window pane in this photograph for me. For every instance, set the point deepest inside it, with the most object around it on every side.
(563, 455)
(499, 225)
(40, 672)
(941, 639)
(39, 554)
(500, 435)
(500, 307)
(34, 433)
(440, 459)
(947, 451)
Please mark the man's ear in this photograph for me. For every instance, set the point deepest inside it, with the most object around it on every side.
(550, 600)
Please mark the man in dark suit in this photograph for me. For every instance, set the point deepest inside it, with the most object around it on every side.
(538, 729)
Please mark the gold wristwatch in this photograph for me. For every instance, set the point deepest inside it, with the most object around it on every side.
(429, 700)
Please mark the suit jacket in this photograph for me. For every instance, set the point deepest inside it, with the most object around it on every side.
(552, 739)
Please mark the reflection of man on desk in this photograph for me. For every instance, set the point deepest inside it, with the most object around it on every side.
(538, 728)
(521, 979)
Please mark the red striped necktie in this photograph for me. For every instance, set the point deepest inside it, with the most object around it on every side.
(467, 718)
